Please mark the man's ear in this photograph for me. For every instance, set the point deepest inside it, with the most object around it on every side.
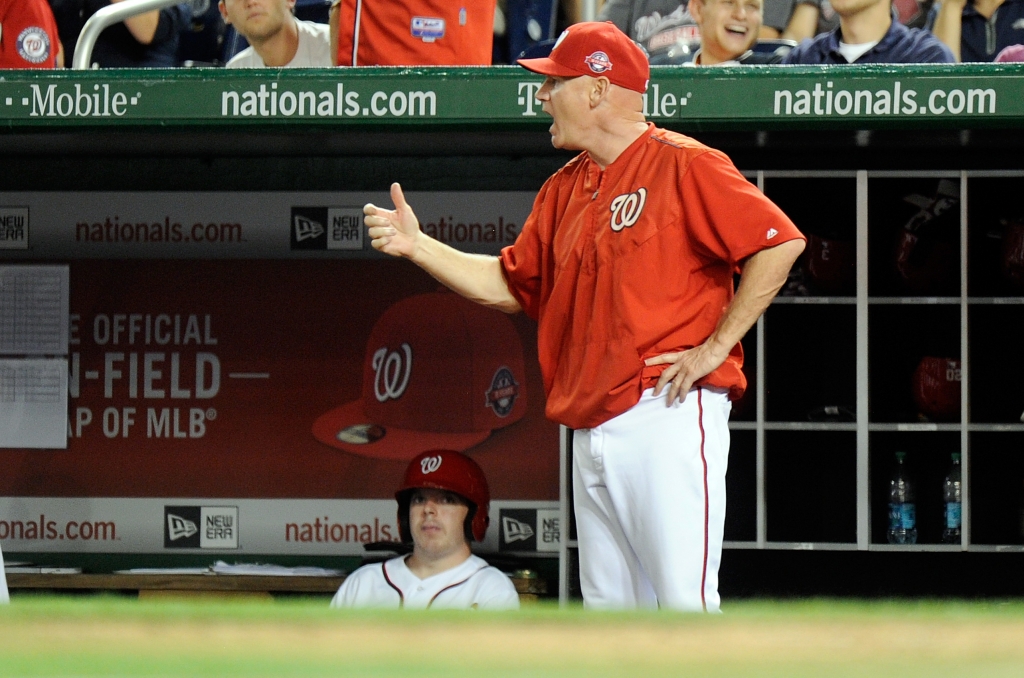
(599, 88)
(223, 12)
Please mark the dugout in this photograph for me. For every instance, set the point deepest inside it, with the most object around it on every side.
(852, 154)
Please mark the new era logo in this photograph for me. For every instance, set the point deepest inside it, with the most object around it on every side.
(518, 530)
(528, 530)
(201, 527)
(179, 528)
(13, 228)
(515, 530)
(327, 228)
(772, 233)
(307, 228)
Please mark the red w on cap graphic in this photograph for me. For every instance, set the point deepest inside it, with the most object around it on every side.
(439, 372)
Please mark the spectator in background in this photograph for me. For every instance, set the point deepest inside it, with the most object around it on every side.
(804, 19)
(28, 35)
(147, 40)
(977, 30)
(412, 33)
(654, 24)
(728, 31)
(868, 33)
(276, 38)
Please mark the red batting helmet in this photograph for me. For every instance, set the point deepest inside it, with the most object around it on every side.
(453, 472)
(936, 388)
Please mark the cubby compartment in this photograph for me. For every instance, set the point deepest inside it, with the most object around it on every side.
(914, 363)
(824, 209)
(927, 461)
(914, 237)
(741, 488)
(811, 486)
(997, 488)
(996, 364)
(995, 237)
(813, 357)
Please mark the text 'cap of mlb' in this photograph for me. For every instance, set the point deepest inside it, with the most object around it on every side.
(595, 48)
(439, 372)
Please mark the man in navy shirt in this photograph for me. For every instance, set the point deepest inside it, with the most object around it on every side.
(977, 30)
(867, 34)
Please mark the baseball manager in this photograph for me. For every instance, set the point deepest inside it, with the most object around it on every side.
(626, 262)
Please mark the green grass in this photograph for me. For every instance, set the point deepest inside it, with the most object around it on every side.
(108, 636)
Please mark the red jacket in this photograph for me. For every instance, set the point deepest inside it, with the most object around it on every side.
(28, 34)
(415, 32)
(631, 262)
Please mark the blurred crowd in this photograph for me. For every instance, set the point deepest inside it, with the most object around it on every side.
(326, 33)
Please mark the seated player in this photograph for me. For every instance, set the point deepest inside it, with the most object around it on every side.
(443, 504)
(276, 38)
(868, 34)
(728, 31)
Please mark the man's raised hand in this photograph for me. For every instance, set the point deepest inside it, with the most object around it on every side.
(393, 232)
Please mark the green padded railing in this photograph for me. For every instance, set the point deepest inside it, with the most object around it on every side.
(501, 97)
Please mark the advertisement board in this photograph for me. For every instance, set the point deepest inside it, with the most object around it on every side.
(242, 387)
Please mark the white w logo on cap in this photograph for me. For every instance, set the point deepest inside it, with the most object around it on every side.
(430, 464)
(626, 209)
(392, 372)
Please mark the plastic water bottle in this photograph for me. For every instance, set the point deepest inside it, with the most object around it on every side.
(902, 510)
(951, 495)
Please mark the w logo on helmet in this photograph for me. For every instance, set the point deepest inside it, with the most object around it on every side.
(626, 209)
(430, 464)
(392, 372)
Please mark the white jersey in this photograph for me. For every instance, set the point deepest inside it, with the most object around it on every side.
(4, 598)
(472, 585)
(314, 49)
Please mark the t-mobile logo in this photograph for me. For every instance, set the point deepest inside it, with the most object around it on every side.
(527, 97)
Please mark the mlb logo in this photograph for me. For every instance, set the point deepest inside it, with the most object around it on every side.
(345, 228)
(308, 228)
(13, 228)
(427, 27)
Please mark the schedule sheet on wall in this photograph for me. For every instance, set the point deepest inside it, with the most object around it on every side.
(34, 303)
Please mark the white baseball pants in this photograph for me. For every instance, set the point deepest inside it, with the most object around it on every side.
(649, 497)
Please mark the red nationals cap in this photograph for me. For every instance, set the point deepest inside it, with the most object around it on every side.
(440, 372)
(595, 48)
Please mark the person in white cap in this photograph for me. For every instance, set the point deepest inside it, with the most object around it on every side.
(443, 505)
(627, 263)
